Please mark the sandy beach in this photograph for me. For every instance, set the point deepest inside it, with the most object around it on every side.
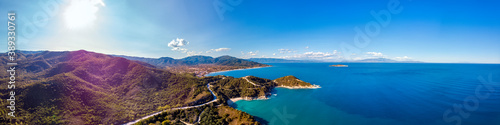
(233, 100)
(236, 69)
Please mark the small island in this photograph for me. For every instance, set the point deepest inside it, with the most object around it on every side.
(292, 82)
(338, 65)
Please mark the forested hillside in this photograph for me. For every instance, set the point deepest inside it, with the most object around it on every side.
(82, 87)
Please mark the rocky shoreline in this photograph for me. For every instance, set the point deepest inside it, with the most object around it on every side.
(233, 100)
(300, 87)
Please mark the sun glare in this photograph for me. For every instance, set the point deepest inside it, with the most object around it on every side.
(81, 13)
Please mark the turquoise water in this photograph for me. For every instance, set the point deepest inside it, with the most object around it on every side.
(380, 93)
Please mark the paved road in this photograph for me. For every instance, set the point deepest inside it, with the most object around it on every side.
(187, 107)
(250, 81)
(199, 116)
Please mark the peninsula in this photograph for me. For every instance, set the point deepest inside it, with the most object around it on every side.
(226, 90)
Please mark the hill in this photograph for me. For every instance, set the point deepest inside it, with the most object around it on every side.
(199, 65)
(82, 87)
(195, 60)
(293, 82)
(228, 89)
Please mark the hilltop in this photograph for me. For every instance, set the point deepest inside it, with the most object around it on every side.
(293, 83)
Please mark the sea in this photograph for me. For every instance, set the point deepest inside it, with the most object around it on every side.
(379, 94)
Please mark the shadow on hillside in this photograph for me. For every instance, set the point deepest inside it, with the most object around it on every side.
(261, 120)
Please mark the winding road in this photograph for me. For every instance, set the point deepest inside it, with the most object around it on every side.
(250, 81)
(187, 107)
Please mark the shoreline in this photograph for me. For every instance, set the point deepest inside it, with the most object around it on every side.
(300, 87)
(233, 100)
(237, 69)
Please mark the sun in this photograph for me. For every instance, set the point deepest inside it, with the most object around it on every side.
(81, 13)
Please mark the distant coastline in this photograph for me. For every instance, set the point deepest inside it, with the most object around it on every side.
(237, 69)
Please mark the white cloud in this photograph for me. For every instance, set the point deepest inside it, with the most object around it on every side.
(222, 49)
(218, 50)
(183, 50)
(177, 45)
(284, 51)
(375, 54)
(335, 52)
(316, 55)
(307, 47)
(404, 58)
(357, 58)
(253, 53)
(274, 54)
(249, 54)
(372, 55)
(367, 55)
(190, 53)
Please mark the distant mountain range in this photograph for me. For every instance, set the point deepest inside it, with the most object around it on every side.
(187, 61)
(277, 60)
(383, 60)
(232, 61)
(196, 60)
(371, 60)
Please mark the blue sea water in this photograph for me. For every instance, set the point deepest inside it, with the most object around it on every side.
(380, 94)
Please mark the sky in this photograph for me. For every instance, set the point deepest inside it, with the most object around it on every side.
(458, 31)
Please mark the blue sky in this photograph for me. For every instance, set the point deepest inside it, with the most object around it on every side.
(423, 30)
